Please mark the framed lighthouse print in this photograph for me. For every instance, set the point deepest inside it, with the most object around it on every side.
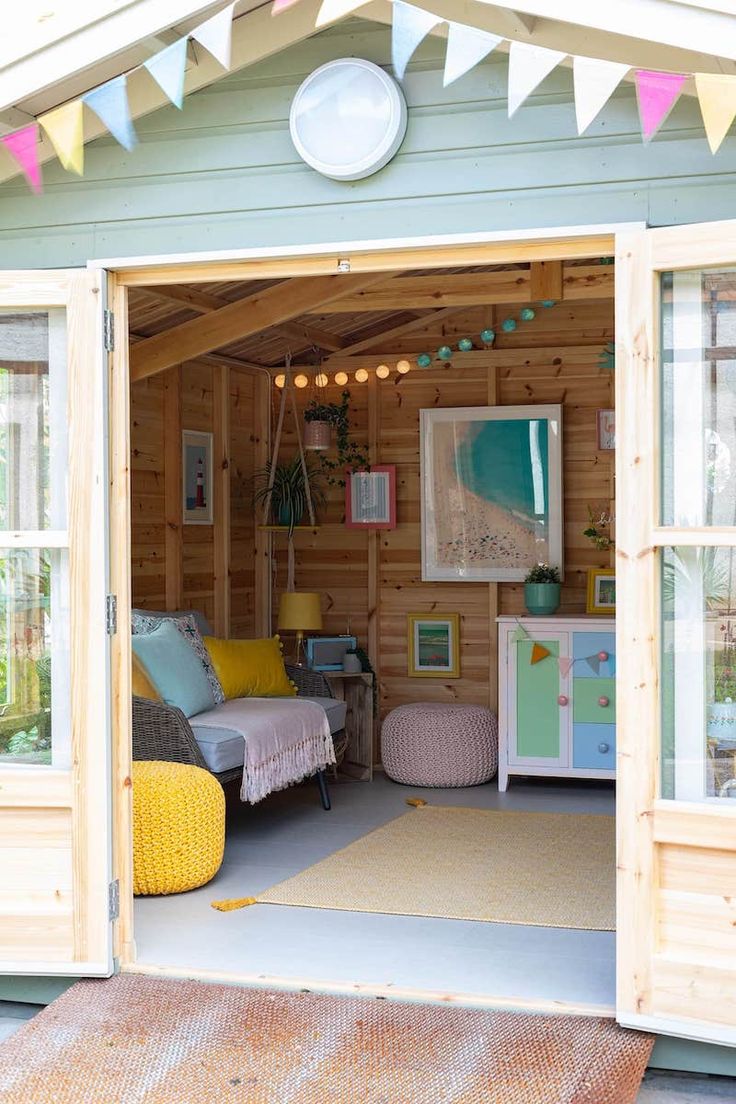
(196, 464)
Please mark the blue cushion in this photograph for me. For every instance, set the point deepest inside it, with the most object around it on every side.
(174, 669)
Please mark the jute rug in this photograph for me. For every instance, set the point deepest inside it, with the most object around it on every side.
(551, 869)
(136, 1039)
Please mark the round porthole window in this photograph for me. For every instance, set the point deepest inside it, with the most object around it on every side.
(348, 119)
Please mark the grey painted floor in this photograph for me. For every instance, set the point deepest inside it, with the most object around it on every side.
(658, 1088)
(289, 831)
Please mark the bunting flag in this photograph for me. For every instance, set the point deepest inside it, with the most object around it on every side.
(110, 104)
(215, 35)
(167, 68)
(539, 652)
(565, 664)
(331, 10)
(466, 47)
(22, 145)
(65, 128)
(594, 83)
(410, 27)
(282, 5)
(656, 93)
(717, 96)
(528, 66)
(519, 634)
(594, 663)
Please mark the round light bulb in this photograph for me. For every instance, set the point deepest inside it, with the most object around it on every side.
(361, 375)
(321, 380)
(300, 380)
(280, 379)
(424, 360)
(383, 371)
(341, 378)
(402, 367)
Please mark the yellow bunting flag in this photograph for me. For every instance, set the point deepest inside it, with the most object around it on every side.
(65, 129)
(539, 652)
(717, 95)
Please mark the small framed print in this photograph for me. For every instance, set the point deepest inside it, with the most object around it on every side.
(606, 429)
(370, 498)
(601, 590)
(196, 464)
(433, 645)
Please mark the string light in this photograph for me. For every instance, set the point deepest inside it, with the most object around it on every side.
(321, 380)
(402, 367)
(280, 380)
(488, 336)
(508, 325)
(341, 378)
(383, 371)
(424, 360)
(361, 375)
(526, 314)
(444, 352)
(465, 345)
(300, 380)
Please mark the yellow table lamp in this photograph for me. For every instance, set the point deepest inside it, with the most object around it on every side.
(300, 612)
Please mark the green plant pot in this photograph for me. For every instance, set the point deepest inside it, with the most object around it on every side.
(542, 598)
(284, 515)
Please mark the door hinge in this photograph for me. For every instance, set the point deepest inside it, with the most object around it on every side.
(113, 900)
(109, 330)
(111, 614)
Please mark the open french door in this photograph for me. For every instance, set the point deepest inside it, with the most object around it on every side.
(54, 682)
(676, 629)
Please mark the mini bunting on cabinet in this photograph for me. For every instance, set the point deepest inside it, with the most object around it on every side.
(519, 634)
(539, 652)
(110, 104)
(22, 145)
(215, 35)
(466, 48)
(594, 83)
(594, 663)
(717, 96)
(656, 93)
(565, 664)
(64, 126)
(410, 27)
(528, 66)
(167, 68)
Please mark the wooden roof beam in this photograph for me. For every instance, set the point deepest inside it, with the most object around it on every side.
(278, 303)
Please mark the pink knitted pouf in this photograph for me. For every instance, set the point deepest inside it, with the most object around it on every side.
(426, 744)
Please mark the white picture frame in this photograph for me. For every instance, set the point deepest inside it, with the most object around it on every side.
(491, 503)
(196, 477)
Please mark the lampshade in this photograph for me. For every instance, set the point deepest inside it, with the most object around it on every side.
(299, 611)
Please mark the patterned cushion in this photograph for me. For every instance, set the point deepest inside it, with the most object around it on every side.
(187, 626)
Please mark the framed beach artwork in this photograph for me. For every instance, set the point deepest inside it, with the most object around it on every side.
(433, 645)
(601, 597)
(491, 492)
(196, 464)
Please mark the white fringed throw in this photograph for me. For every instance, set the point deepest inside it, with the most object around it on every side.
(286, 740)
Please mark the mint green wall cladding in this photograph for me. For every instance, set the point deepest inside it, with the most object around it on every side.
(223, 174)
(537, 711)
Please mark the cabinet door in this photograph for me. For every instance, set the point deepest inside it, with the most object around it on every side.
(541, 735)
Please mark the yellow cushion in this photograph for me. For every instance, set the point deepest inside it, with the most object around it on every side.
(142, 685)
(178, 827)
(250, 668)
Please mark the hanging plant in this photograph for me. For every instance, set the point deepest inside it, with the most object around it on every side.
(350, 455)
(289, 491)
(598, 530)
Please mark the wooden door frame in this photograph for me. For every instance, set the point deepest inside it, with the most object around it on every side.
(428, 253)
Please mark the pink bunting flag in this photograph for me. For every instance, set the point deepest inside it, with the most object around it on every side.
(22, 145)
(565, 665)
(657, 93)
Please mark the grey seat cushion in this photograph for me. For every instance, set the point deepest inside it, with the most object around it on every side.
(223, 748)
(202, 623)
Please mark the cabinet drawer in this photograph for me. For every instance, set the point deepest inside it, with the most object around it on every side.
(586, 644)
(594, 746)
(587, 695)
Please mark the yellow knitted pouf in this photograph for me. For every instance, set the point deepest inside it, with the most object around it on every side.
(178, 827)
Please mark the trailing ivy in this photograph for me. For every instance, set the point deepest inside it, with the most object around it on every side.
(351, 456)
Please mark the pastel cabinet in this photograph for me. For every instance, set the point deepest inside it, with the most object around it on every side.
(557, 719)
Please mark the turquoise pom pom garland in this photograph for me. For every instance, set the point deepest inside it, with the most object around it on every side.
(487, 336)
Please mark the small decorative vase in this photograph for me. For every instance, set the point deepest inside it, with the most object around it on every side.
(351, 664)
(542, 598)
(317, 435)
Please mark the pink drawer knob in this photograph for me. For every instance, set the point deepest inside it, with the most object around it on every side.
(603, 701)
(563, 700)
(603, 656)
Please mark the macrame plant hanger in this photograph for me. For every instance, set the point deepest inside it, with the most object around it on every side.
(288, 391)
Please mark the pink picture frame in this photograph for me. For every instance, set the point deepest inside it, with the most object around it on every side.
(370, 498)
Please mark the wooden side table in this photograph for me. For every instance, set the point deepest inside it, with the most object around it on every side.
(357, 691)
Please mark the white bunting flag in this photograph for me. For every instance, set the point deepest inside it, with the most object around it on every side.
(335, 9)
(466, 47)
(410, 27)
(594, 82)
(215, 35)
(717, 96)
(528, 66)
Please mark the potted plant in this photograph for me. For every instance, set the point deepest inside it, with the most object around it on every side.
(542, 589)
(289, 492)
(350, 455)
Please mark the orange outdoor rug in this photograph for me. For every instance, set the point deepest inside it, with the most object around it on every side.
(131, 1039)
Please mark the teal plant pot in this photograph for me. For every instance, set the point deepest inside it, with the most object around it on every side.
(284, 515)
(542, 598)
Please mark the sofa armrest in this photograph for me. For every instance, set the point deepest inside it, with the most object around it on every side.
(163, 732)
(309, 684)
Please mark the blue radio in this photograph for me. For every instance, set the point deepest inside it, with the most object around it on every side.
(325, 653)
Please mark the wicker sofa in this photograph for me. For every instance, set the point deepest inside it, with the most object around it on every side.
(163, 732)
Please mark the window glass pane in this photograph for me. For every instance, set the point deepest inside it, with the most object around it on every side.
(33, 420)
(699, 673)
(699, 398)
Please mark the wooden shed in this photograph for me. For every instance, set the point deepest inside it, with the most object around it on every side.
(171, 324)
